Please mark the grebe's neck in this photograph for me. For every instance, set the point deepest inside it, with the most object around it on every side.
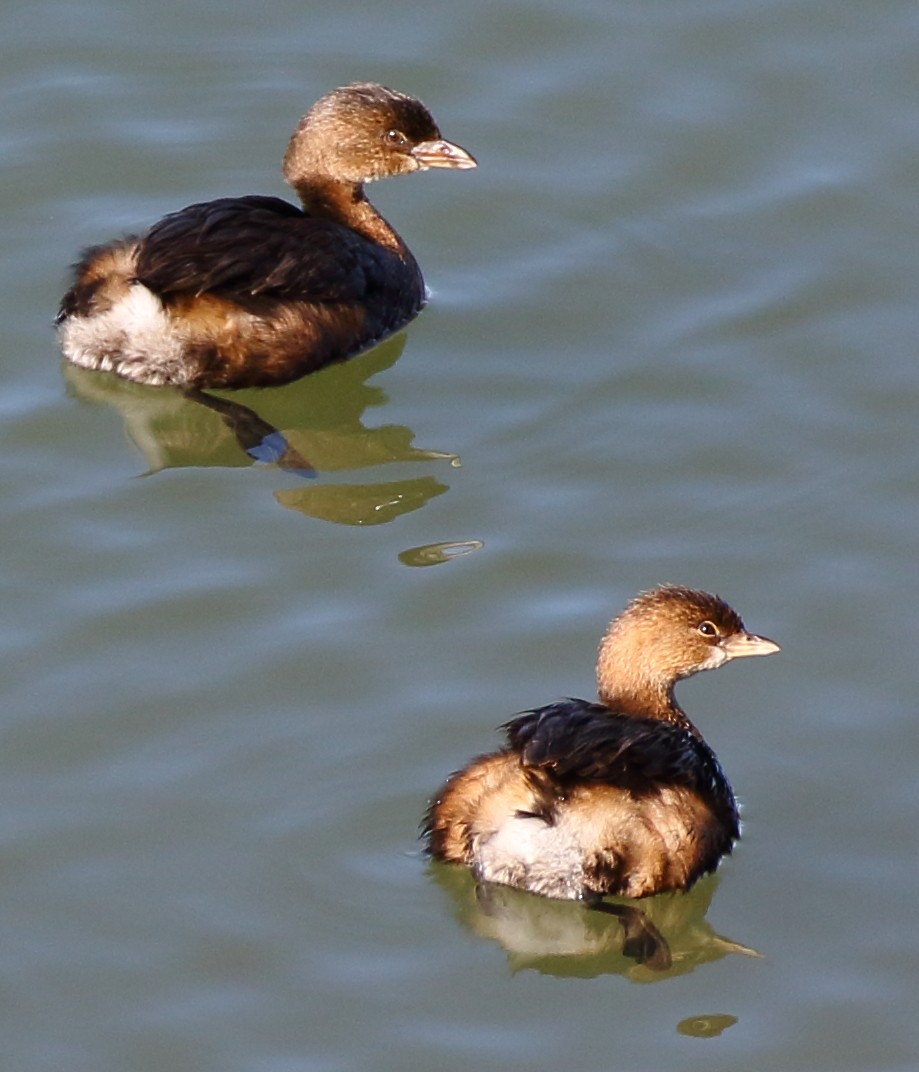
(633, 675)
(346, 203)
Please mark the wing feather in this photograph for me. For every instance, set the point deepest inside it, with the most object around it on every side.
(245, 248)
(574, 741)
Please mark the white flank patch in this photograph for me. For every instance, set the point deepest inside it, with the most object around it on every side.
(527, 852)
(135, 338)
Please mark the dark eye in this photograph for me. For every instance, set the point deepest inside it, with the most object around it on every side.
(708, 629)
(395, 138)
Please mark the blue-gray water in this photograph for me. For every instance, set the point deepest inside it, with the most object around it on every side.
(672, 336)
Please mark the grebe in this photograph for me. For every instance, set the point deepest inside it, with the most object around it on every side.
(618, 797)
(254, 291)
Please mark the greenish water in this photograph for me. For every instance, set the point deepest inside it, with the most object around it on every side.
(672, 337)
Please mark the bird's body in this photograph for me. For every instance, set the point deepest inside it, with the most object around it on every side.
(255, 291)
(618, 797)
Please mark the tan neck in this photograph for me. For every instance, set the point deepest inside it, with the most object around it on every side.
(641, 698)
(345, 203)
(627, 682)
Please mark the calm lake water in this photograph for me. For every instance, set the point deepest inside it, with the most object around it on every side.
(672, 337)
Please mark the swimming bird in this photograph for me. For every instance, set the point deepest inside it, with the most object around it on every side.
(621, 796)
(255, 291)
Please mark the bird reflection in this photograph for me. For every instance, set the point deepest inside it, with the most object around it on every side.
(310, 427)
(646, 941)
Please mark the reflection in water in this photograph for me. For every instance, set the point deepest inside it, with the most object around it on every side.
(710, 1026)
(259, 439)
(567, 938)
(312, 426)
(433, 554)
(362, 504)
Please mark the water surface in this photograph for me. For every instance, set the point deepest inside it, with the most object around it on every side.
(672, 337)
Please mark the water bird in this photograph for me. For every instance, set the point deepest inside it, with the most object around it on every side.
(254, 291)
(617, 797)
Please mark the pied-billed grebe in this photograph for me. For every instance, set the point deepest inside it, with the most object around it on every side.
(252, 291)
(617, 797)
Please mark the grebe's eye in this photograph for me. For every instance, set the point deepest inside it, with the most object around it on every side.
(396, 139)
(708, 629)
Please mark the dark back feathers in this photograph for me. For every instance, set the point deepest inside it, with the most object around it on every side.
(255, 247)
(574, 741)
